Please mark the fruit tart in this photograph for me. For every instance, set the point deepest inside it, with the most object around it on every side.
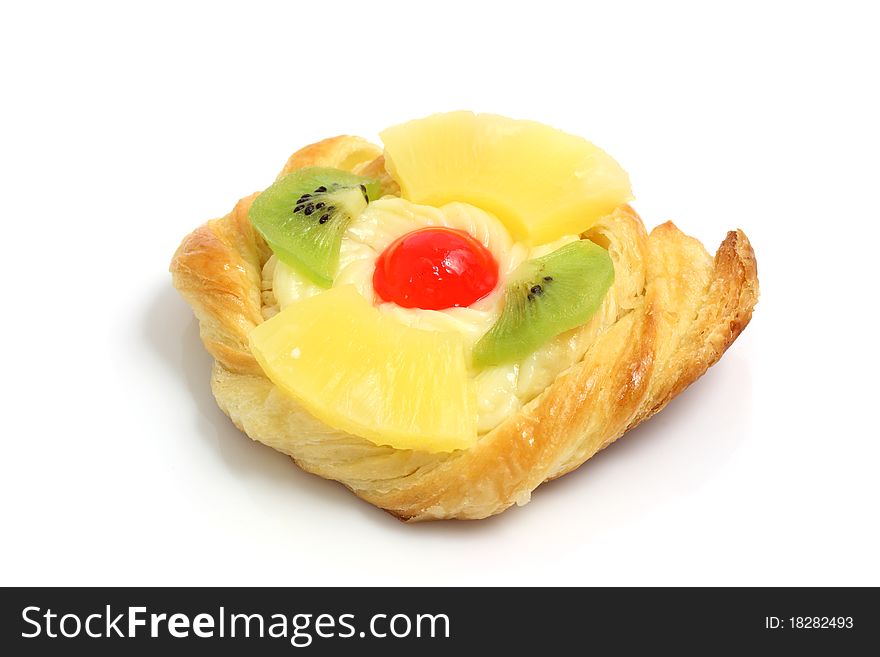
(447, 322)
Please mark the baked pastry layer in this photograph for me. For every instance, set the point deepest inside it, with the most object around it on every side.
(671, 313)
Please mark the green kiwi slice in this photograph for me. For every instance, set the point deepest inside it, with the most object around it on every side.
(545, 297)
(304, 215)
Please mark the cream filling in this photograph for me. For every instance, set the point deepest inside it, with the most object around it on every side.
(501, 390)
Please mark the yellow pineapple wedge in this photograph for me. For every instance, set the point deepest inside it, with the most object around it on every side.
(369, 375)
(541, 182)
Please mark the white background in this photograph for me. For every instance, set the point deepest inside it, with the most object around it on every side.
(123, 128)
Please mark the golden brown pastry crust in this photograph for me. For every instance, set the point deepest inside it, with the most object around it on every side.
(672, 312)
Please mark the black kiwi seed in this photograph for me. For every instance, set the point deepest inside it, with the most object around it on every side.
(537, 290)
(548, 278)
(320, 190)
(298, 208)
(309, 209)
(531, 297)
(318, 206)
(324, 219)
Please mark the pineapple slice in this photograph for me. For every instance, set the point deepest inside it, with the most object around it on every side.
(369, 375)
(541, 182)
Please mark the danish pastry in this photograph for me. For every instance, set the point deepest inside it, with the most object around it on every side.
(447, 323)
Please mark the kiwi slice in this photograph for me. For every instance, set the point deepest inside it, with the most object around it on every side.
(545, 297)
(304, 215)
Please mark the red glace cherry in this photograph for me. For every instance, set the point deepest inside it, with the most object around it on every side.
(435, 268)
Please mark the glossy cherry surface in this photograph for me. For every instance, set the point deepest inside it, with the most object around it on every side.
(435, 268)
